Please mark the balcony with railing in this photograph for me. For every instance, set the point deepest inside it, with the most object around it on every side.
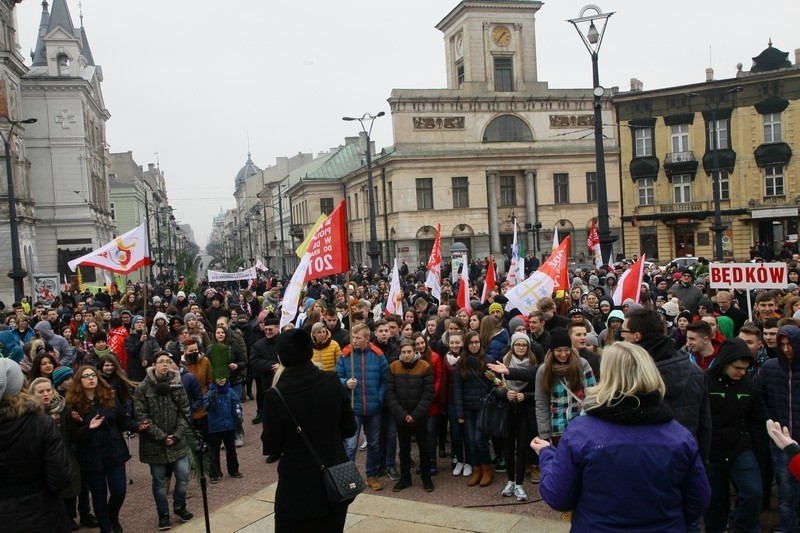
(683, 207)
(673, 158)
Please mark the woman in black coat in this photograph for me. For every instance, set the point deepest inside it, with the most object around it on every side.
(97, 420)
(321, 406)
(34, 462)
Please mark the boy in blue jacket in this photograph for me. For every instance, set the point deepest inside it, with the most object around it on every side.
(224, 410)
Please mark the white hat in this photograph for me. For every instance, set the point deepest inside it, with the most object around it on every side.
(11, 378)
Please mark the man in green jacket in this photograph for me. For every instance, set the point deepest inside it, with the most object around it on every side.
(161, 400)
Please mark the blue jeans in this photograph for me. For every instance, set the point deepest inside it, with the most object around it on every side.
(458, 448)
(101, 483)
(180, 470)
(372, 429)
(788, 490)
(477, 442)
(238, 390)
(743, 471)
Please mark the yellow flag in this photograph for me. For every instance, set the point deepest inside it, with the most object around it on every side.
(301, 250)
(80, 281)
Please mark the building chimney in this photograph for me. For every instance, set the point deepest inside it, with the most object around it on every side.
(709, 74)
(636, 85)
(797, 57)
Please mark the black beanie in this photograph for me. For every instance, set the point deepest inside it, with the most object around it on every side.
(559, 338)
(294, 347)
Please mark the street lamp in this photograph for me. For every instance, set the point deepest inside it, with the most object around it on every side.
(718, 228)
(373, 251)
(593, 39)
(17, 273)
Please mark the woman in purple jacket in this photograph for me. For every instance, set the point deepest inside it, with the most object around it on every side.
(626, 465)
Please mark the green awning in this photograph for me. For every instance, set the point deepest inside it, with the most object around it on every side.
(727, 160)
(683, 118)
(773, 154)
(771, 104)
(644, 167)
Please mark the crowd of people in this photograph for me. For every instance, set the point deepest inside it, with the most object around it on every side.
(674, 389)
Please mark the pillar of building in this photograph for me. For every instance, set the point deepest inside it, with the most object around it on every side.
(530, 206)
(494, 222)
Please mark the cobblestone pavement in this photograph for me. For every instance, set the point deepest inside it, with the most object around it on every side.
(139, 514)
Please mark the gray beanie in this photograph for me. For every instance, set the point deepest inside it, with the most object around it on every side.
(520, 337)
(516, 322)
(11, 378)
(189, 316)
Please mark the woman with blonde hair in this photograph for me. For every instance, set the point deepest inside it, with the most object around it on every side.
(647, 463)
(326, 350)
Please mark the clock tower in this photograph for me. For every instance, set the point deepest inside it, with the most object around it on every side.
(490, 45)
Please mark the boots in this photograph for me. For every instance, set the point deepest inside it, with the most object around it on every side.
(488, 475)
(475, 478)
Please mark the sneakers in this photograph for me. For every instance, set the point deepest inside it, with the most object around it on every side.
(237, 475)
(402, 484)
(272, 458)
(183, 514)
(363, 445)
(500, 465)
(520, 493)
(467, 471)
(459, 468)
(374, 483)
(535, 474)
(214, 480)
(508, 490)
(427, 484)
(239, 441)
(393, 474)
(164, 523)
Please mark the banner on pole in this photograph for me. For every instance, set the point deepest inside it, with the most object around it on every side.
(748, 275)
(328, 247)
(216, 275)
(123, 255)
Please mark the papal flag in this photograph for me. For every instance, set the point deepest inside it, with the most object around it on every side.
(123, 255)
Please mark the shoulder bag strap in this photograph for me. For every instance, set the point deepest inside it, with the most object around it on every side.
(300, 431)
(574, 396)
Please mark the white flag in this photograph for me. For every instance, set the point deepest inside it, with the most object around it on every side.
(512, 276)
(291, 298)
(393, 301)
(555, 237)
(123, 255)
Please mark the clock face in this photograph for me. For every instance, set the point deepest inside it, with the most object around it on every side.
(501, 36)
(460, 45)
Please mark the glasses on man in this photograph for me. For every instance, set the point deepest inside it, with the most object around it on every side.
(88, 376)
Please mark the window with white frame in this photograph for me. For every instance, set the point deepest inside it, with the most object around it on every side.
(724, 186)
(679, 137)
(722, 134)
(646, 191)
(773, 181)
(682, 186)
(772, 128)
(644, 141)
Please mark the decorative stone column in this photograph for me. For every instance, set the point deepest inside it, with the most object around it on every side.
(494, 224)
(530, 206)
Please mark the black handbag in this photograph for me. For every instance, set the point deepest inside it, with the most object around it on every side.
(343, 482)
(493, 418)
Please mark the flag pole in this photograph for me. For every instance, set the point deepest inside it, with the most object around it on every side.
(352, 350)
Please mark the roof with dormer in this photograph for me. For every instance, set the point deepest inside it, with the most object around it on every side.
(59, 17)
(246, 171)
(770, 59)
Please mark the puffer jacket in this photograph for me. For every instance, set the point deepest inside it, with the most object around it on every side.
(369, 369)
(326, 354)
(469, 390)
(737, 417)
(10, 346)
(779, 384)
(687, 389)
(167, 415)
(64, 351)
(497, 346)
(439, 404)
(221, 404)
(409, 391)
(104, 446)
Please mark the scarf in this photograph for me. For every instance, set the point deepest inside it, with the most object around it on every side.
(322, 345)
(517, 363)
(451, 359)
(633, 410)
(559, 368)
(100, 353)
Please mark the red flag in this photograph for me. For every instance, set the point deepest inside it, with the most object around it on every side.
(593, 242)
(560, 275)
(328, 247)
(491, 281)
(541, 283)
(463, 287)
(629, 283)
(433, 280)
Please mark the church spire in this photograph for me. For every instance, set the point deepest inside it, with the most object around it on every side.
(37, 54)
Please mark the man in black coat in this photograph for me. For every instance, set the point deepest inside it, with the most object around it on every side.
(726, 308)
(321, 406)
(140, 347)
(687, 388)
(264, 359)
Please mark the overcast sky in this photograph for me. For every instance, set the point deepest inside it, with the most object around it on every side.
(190, 79)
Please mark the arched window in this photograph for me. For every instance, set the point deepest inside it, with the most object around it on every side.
(63, 65)
(507, 128)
